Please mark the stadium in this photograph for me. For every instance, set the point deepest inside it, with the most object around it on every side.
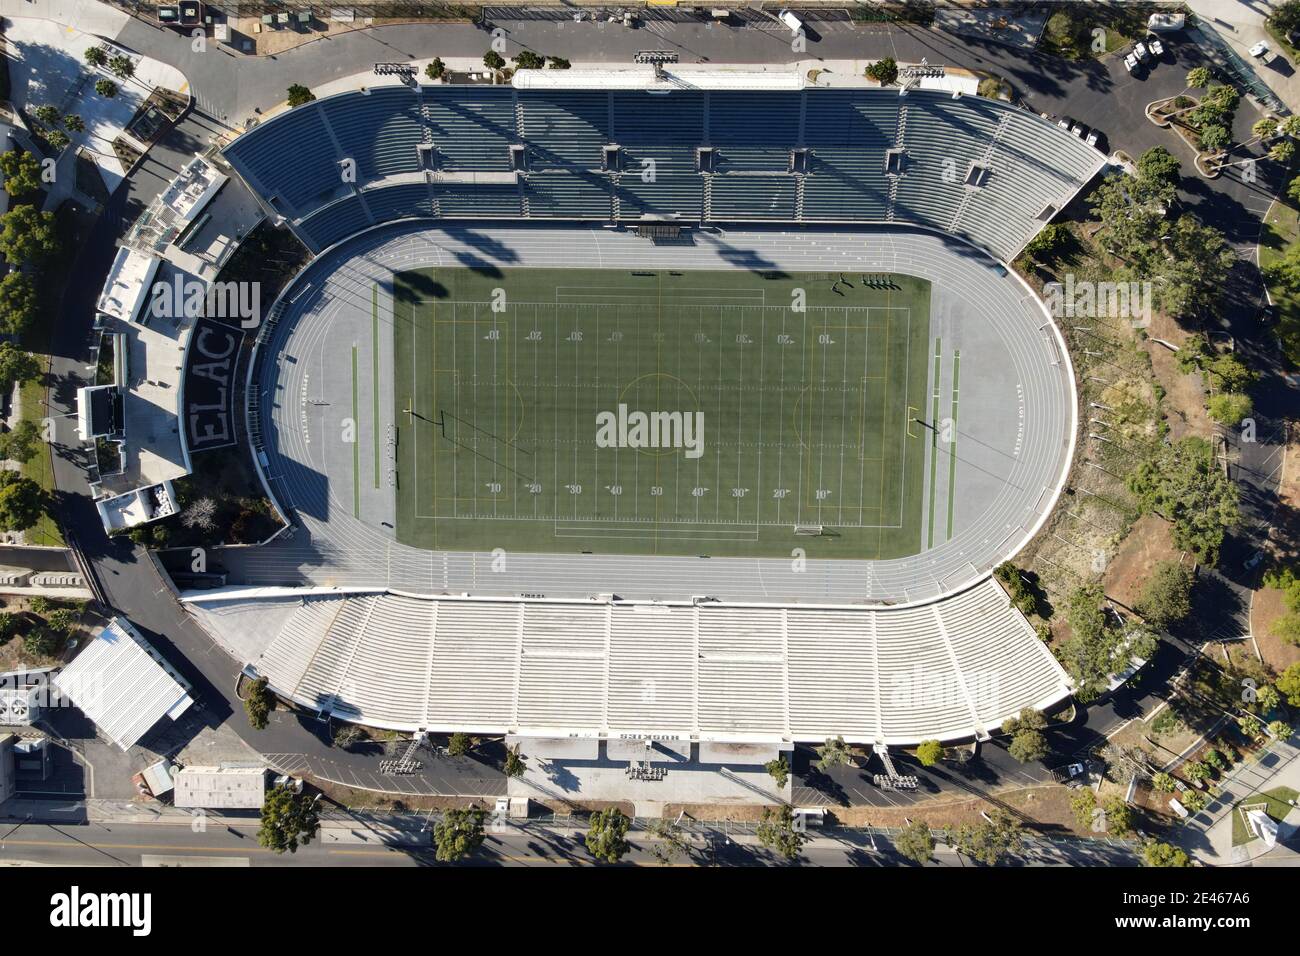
(689, 413)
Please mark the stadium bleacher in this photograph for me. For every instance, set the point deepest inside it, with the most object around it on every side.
(816, 156)
(948, 670)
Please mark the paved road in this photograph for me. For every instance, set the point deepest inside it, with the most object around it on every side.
(142, 844)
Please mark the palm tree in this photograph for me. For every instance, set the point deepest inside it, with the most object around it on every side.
(1282, 152)
(1198, 78)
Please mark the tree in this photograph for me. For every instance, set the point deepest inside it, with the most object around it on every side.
(779, 769)
(929, 752)
(64, 620)
(915, 842)
(833, 753)
(1097, 647)
(74, 123)
(1083, 804)
(1229, 408)
(257, 703)
(1293, 191)
(1193, 800)
(1184, 483)
(21, 501)
(346, 735)
(1049, 240)
(1167, 596)
(458, 834)
(670, 843)
(58, 140)
(1028, 746)
(493, 60)
(299, 94)
(528, 60)
(606, 835)
(558, 63)
(200, 513)
(989, 842)
(106, 88)
(458, 744)
(1125, 763)
(1280, 729)
(1163, 782)
(49, 115)
(1160, 165)
(776, 832)
(1023, 595)
(22, 172)
(884, 72)
(21, 442)
(289, 820)
(18, 305)
(1282, 152)
(96, 56)
(1196, 771)
(436, 70)
(515, 765)
(1164, 855)
(1119, 816)
(27, 235)
(1215, 136)
(1027, 719)
(1250, 726)
(1267, 698)
(121, 66)
(1198, 78)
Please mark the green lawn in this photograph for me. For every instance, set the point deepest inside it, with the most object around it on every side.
(1277, 808)
(41, 468)
(501, 380)
(1280, 234)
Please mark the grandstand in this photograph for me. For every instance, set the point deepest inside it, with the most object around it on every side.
(971, 167)
(709, 672)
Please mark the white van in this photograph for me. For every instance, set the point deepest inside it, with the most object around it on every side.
(790, 20)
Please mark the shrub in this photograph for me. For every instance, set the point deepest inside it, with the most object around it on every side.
(884, 72)
(41, 642)
(257, 704)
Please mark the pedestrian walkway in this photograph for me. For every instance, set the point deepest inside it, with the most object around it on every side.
(1207, 836)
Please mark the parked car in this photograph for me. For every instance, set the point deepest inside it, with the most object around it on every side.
(1064, 123)
(1131, 62)
(1253, 561)
(1261, 52)
(1155, 46)
(1095, 139)
(1079, 130)
(1140, 51)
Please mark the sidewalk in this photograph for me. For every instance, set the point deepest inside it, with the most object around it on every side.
(1211, 843)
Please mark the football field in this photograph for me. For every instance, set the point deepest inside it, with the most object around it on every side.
(661, 412)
